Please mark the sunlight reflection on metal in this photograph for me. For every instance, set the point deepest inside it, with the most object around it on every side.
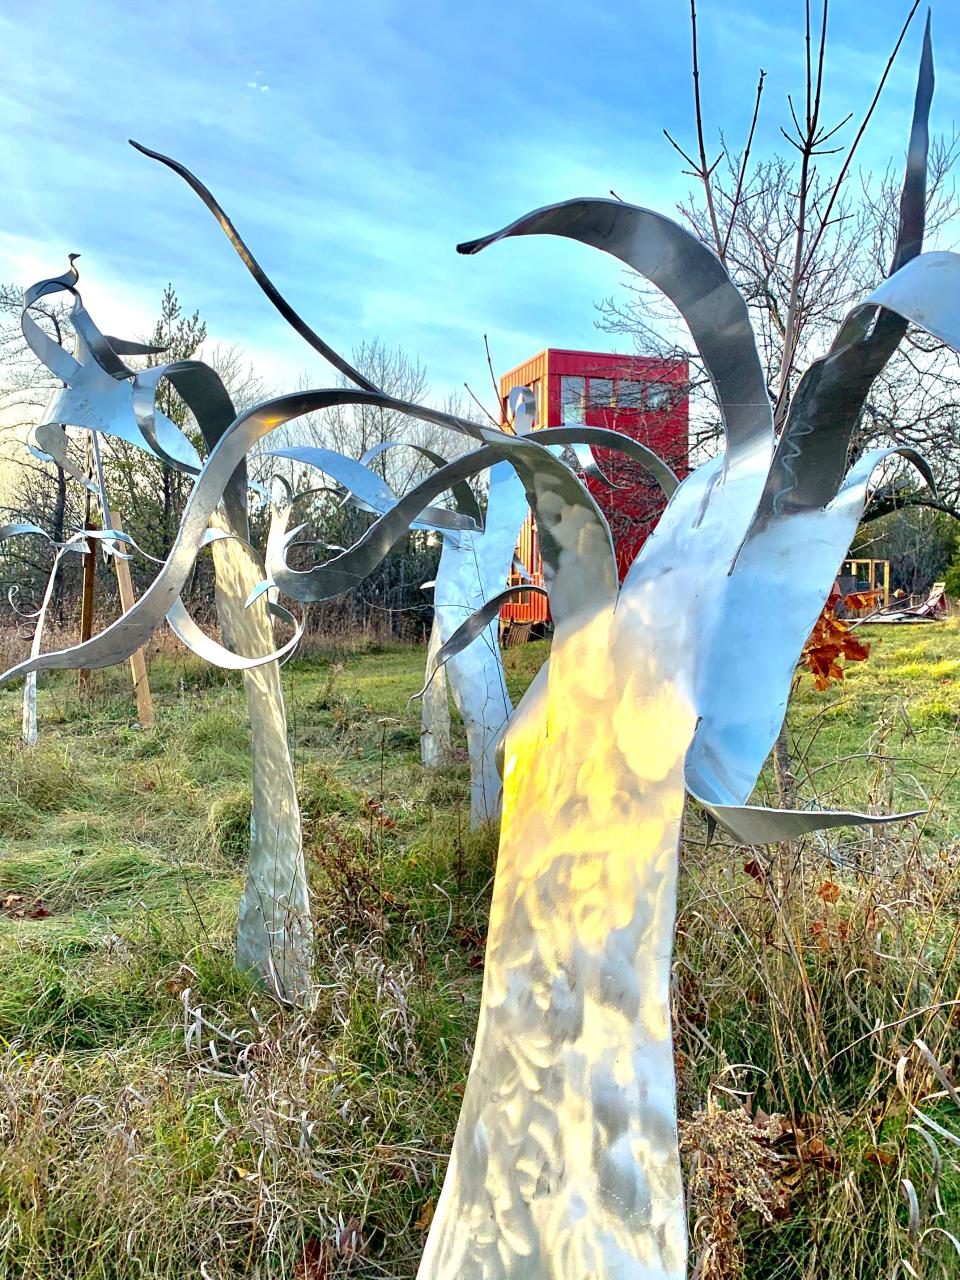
(99, 392)
(565, 1161)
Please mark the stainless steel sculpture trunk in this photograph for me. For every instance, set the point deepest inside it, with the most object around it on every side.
(473, 567)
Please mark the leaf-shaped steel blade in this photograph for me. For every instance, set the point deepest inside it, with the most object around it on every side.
(473, 627)
(696, 282)
(811, 455)
(754, 631)
(603, 438)
(261, 277)
(369, 488)
(753, 824)
(465, 499)
(926, 291)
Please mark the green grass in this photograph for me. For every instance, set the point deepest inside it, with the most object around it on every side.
(159, 1117)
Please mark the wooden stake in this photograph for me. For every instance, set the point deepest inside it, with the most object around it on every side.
(138, 664)
(89, 577)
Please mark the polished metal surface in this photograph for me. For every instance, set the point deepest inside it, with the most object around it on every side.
(473, 567)
(99, 392)
(77, 544)
(435, 741)
(565, 1161)
(274, 926)
(474, 562)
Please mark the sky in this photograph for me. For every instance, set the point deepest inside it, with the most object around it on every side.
(355, 142)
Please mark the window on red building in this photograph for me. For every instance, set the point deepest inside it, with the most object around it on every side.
(573, 396)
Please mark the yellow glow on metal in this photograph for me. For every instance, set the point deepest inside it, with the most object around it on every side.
(565, 1161)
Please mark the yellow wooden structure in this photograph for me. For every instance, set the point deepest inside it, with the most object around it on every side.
(876, 573)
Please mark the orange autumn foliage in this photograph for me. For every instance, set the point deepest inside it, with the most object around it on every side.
(832, 642)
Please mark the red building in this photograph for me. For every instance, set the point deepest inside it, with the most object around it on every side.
(640, 396)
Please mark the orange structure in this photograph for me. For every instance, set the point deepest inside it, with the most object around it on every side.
(640, 396)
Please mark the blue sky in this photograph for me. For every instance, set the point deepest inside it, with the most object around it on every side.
(354, 143)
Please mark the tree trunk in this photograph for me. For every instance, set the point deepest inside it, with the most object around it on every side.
(275, 928)
(435, 711)
(783, 770)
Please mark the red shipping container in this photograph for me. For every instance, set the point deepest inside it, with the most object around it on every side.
(641, 396)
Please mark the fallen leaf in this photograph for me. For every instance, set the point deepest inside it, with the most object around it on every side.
(875, 1156)
(314, 1263)
(821, 934)
(829, 891)
(816, 1151)
(425, 1216)
(19, 907)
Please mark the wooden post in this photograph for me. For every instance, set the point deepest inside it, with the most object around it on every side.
(138, 664)
(89, 576)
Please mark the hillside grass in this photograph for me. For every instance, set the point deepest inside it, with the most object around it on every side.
(161, 1117)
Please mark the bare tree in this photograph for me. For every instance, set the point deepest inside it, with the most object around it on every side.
(355, 430)
(805, 235)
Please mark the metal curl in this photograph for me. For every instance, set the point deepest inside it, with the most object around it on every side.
(472, 628)
(603, 438)
(699, 286)
(465, 500)
(367, 488)
(218, 655)
(261, 277)
(568, 512)
(50, 353)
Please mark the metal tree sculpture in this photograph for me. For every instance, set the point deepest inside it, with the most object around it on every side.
(101, 394)
(565, 1160)
(470, 588)
(473, 567)
(476, 554)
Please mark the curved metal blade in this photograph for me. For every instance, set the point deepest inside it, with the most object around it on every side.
(368, 489)
(465, 500)
(261, 277)
(752, 824)
(811, 455)
(696, 282)
(603, 438)
(198, 642)
(473, 627)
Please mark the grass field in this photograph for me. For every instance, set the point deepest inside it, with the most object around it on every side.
(160, 1117)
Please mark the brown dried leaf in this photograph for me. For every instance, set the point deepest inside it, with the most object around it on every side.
(815, 1151)
(425, 1216)
(876, 1156)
